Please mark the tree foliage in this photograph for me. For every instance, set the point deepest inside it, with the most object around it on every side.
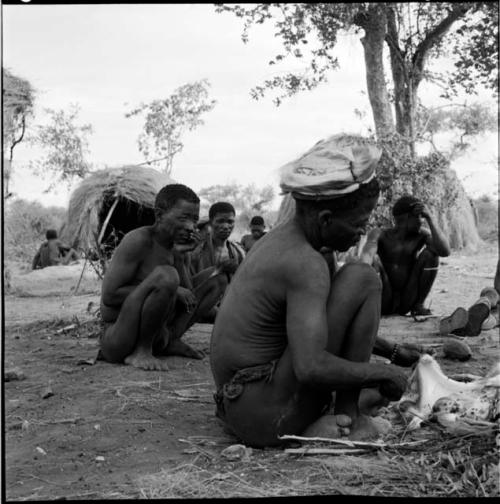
(18, 98)
(65, 146)
(414, 33)
(247, 200)
(464, 122)
(475, 50)
(25, 224)
(168, 119)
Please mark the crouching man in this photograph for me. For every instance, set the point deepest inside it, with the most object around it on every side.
(290, 331)
(148, 299)
(407, 257)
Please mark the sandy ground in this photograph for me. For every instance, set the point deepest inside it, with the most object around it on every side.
(78, 429)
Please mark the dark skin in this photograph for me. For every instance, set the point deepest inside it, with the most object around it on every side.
(406, 279)
(148, 300)
(256, 233)
(322, 332)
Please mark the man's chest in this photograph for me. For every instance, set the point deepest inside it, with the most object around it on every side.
(399, 250)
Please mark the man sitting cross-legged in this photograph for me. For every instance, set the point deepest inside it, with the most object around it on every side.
(290, 331)
(148, 299)
(407, 257)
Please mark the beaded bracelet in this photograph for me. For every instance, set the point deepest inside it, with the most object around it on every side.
(394, 352)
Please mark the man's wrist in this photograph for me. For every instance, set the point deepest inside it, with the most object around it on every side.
(394, 353)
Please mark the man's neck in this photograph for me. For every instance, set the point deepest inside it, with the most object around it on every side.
(218, 242)
(161, 240)
(309, 231)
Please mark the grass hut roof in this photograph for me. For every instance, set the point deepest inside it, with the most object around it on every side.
(130, 190)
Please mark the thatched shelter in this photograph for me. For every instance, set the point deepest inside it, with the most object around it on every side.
(109, 203)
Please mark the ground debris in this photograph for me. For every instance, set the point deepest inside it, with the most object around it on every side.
(47, 392)
(237, 452)
(13, 374)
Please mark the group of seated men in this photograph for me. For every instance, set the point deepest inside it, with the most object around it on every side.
(293, 331)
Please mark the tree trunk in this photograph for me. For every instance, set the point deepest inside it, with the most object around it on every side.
(374, 25)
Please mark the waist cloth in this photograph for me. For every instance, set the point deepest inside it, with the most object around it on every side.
(235, 386)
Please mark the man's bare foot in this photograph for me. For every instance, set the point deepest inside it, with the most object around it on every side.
(366, 428)
(329, 426)
(178, 347)
(370, 401)
(146, 361)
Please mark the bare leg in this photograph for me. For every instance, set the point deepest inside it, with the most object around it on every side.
(208, 290)
(141, 316)
(388, 302)
(420, 282)
(282, 405)
(71, 255)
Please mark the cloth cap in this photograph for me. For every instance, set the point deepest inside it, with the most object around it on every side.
(404, 205)
(335, 166)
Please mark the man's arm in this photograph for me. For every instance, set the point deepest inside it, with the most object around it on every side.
(436, 239)
(120, 278)
(307, 332)
(36, 260)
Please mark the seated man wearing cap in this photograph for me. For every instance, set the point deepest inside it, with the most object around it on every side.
(257, 228)
(407, 257)
(290, 331)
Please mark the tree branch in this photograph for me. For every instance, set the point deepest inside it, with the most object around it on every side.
(15, 142)
(392, 35)
(433, 37)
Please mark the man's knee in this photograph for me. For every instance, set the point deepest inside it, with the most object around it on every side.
(361, 275)
(428, 258)
(165, 278)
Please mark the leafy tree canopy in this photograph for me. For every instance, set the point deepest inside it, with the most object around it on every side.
(247, 200)
(65, 146)
(167, 120)
(414, 31)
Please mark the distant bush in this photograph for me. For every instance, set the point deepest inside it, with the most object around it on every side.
(486, 210)
(25, 224)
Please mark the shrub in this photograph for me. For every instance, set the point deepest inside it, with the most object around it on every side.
(25, 224)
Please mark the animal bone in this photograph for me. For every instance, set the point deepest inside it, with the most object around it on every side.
(439, 395)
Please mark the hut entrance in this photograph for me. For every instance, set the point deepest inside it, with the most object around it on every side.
(125, 216)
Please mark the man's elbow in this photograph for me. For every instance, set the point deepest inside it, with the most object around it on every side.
(445, 251)
(305, 373)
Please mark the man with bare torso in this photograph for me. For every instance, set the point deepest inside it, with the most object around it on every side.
(257, 231)
(407, 257)
(53, 252)
(148, 298)
(290, 331)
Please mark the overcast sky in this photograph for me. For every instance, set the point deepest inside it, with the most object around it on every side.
(109, 58)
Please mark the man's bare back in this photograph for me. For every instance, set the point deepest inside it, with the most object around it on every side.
(250, 328)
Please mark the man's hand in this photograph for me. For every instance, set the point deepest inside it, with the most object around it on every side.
(419, 208)
(187, 298)
(409, 353)
(228, 266)
(395, 385)
(194, 240)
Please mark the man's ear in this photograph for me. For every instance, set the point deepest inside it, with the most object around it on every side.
(158, 213)
(325, 217)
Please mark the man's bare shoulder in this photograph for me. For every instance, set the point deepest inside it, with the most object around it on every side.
(292, 254)
(137, 240)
